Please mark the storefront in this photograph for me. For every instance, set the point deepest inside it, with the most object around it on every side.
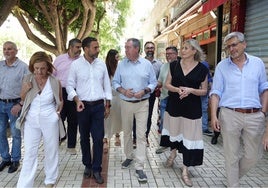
(256, 28)
(199, 21)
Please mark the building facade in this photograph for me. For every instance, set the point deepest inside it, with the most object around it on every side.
(173, 21)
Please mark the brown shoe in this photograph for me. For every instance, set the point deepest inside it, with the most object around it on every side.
(72, 151)
(49, 185)
(105, 145)
(186, 179)
(171, 158)
(147, 143)
(117, 140)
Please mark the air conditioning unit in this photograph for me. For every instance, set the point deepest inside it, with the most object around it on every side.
(156, 30)
(172, 13)
(163, 23)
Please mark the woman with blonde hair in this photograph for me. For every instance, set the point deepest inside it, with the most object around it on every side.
(182, 131)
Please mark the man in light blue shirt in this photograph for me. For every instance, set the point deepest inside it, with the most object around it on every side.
(240, 90)
(134, 79)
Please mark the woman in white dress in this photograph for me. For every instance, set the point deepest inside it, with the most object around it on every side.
(112, 124)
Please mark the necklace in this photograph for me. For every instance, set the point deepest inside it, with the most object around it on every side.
(41, 82)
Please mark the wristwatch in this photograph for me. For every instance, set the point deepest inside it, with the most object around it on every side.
(147, 90)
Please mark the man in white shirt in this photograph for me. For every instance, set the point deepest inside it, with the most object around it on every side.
(89, 86)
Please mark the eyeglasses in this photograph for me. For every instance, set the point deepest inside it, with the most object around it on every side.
(172, 53)
(228, 47)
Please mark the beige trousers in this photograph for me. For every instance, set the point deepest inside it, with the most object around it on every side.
(140, 111)
(242, 135)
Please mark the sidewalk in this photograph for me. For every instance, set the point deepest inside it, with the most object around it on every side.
(210, 174)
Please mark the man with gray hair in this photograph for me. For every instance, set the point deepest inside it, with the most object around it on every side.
(240, 91)
(12, 70)
(134, 79)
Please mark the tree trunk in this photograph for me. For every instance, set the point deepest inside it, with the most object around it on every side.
(5, 9)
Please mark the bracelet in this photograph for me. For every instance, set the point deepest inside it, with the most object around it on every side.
(20, 104)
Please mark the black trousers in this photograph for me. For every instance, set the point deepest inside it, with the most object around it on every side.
(69, 112)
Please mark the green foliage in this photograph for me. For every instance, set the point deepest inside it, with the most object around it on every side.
(111, 27)
(55, 26)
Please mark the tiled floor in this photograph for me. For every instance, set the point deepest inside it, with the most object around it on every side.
(210, 174)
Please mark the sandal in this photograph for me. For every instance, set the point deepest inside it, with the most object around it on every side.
(186, 179)
(105, 145)
(171, 158)
(117, 140)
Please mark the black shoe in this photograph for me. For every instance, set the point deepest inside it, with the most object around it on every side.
(147, 143)
(98, 178)
(214, 140)
(62, 140)
(134, 144)
(4, 164)
(208, 133)
(14, 166)
(87, 173)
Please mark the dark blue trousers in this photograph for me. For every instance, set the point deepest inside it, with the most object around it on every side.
(91, 123)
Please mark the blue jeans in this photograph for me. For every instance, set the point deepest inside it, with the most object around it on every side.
(91, 123)
(5, 116)
(204, 101)
(163, 105)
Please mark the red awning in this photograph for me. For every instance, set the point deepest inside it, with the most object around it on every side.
(211, 4)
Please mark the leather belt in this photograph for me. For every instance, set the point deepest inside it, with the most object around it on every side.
(10, 100)
(93, 103)
(136, 101)
(245, 110)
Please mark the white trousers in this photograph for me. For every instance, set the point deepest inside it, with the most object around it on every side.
(35, 129)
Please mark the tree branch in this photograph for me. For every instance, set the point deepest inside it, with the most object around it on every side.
(36, 24)
(31, 36)
(88, 18)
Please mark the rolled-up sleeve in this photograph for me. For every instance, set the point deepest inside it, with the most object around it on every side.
(70, 86)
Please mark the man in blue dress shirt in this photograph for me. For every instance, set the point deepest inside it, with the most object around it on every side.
(240, 90)
(134, 79)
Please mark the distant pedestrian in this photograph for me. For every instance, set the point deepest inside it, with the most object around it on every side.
(240, 90)
(204, 102)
